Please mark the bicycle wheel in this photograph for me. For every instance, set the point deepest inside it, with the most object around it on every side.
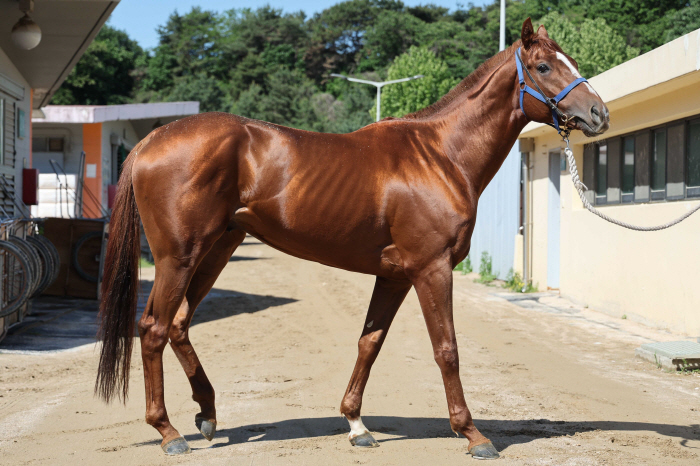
(15, 276)
(54, 253)
(47, 262)
(86, 256)
(34, 261)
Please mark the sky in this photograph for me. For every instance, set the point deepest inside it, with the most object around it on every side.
(139, 18)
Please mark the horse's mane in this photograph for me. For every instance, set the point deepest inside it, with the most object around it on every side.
(467, 83)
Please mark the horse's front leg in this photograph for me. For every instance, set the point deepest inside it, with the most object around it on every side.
(386, 300)
(434, 288)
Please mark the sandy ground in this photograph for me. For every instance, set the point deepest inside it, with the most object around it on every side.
(548, 382)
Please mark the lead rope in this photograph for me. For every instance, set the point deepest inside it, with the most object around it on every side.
(580, 187)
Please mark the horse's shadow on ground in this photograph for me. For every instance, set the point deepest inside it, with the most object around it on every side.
(502, 432)
(220, 303)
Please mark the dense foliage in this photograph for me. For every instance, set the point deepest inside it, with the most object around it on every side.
(275, 66)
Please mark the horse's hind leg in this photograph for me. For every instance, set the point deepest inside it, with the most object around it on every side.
(202, 281)
(173, 275)
(386, 299)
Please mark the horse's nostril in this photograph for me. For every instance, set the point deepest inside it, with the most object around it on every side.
(595, 115)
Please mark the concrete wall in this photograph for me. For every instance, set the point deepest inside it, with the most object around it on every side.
(74, 136)
(649, 277)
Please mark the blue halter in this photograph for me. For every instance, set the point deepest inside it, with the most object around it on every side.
(539, 95)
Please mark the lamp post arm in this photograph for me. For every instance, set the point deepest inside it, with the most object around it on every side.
(378, 85)
(403, 80)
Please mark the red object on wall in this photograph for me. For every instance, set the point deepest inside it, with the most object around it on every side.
(30, 186)
(111, 194)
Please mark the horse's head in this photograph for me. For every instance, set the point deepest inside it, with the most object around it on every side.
(552, 70)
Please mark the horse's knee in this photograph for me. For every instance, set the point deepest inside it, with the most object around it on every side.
(447, 357)
(178, 335)
(154, 336)
(370, 344)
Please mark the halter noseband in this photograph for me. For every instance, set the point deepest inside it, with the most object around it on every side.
(550, 102)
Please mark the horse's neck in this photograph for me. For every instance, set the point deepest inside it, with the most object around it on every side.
(483, 124)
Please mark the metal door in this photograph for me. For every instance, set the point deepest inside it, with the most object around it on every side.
(553, 220)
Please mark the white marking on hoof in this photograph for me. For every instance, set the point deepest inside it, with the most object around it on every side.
(370, 323)
(356, 427)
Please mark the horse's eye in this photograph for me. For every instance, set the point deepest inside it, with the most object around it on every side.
(542, 68)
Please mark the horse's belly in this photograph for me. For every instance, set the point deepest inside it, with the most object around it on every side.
(360, 251)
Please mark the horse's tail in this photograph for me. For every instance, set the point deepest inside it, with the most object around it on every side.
(119, 291)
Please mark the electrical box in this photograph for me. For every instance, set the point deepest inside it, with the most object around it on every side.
(30, 186)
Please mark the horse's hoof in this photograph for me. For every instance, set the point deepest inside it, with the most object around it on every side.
(206, 426)
(176, 446)
(364, 440)
(485, 451)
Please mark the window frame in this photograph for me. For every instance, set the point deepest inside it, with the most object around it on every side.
(655, 196)
(691, 192)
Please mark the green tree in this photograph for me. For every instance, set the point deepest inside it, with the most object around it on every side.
(287, 100)
(594, 45)
(400, 99)
(104, 74)
(684, 21)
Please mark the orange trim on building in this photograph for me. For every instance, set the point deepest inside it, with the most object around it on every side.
(92, 145)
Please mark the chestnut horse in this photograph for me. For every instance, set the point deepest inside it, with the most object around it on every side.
(396, 199)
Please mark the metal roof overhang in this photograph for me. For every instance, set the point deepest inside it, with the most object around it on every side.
(67, 26)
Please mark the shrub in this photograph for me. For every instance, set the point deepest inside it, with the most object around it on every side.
(514, 282)
(485, 269)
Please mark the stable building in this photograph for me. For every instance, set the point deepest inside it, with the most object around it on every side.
(79, 150)
(645, 170)
(30, 77)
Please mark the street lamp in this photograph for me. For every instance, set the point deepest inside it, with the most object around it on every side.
(378, 85)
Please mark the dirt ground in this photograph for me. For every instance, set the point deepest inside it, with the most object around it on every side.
(549, 382)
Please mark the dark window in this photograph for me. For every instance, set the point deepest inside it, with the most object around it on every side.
(602, 171)
(642, 167)
(658, 165)
(55, 144)
(693, 155)
(648, 165)
(614, 164)
(675, 162)
(39, 144)
(628, 166)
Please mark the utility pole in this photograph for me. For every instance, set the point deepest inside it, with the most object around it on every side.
(378, 85)
(502, 45)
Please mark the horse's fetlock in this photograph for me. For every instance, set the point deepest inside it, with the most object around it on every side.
(350, 407)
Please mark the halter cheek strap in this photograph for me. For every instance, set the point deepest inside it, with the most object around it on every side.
(539, 95)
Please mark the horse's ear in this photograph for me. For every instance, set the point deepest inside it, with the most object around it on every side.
(542, 32)
(527, 34)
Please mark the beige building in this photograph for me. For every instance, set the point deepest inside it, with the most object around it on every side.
(29, 78)
(645, 170)
(83, 146)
